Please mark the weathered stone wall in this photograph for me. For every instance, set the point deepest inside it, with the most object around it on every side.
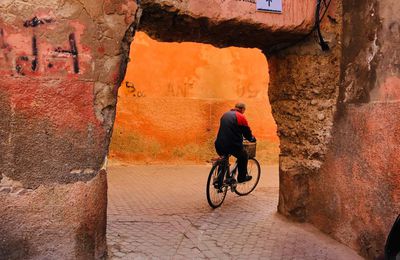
(59, 67)
(53, 221)
(303, 91)
(355, 197)
(338, 124)
(218, 21)
(61, 62)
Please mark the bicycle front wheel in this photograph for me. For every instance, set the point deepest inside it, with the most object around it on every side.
(216, 190)
(253, 170)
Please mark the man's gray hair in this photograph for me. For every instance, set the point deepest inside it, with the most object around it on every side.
(240, 105)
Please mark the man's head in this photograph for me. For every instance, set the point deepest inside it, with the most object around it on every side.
(240, 107)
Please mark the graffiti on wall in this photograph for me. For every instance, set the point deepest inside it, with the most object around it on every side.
(247, 91)
(180, 90)
(130, 86)
(24, 60)
(73, 52)
(35, 22)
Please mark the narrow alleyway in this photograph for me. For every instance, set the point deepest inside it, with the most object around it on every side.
(161, 212)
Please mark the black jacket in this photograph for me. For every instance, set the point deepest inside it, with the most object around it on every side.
(233, 126)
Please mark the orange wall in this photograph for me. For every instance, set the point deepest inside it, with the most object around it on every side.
(173, 95)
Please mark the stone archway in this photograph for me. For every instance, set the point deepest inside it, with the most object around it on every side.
(62, 61)
(60, 99)
(303, 98)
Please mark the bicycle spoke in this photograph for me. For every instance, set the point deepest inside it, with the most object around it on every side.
(216, 192)
(253, 169)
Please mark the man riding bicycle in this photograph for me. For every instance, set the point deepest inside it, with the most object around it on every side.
(233, 127)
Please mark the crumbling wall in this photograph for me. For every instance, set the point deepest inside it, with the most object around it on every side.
(61, 62)
(225, 23)
(337, 120)
(303, 91)
(355, 197)
(59, 67)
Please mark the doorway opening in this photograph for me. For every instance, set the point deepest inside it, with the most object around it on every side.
(168, 112)
(173, 95)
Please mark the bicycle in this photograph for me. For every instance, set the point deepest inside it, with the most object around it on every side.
(221, 178)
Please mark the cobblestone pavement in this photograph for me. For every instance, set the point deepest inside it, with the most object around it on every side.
(161, 212)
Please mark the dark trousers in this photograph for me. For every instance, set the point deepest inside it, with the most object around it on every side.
(242, 159)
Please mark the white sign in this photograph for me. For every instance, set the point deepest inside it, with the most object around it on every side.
(274, 6)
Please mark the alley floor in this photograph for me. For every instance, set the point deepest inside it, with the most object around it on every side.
(161, 212)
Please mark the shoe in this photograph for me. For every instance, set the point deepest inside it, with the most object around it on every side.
(230, 181)
(246, 178)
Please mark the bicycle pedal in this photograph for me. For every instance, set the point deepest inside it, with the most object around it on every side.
(230, 181)
(215, 184)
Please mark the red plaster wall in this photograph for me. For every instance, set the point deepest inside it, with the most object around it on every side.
(50, 99)
(355, 197)
(55, 91)
(56, 118)
(176, 92)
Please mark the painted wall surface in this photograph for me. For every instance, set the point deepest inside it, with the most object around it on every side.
(361, 171)
(339, 127)
(60, 67)
(61, 63)
(174, 94)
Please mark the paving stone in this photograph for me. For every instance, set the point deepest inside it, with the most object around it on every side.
(161, 212)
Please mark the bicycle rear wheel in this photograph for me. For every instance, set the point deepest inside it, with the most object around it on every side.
(253, 170)
(216, 192)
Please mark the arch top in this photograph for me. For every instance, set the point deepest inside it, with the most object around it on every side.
(226, 22)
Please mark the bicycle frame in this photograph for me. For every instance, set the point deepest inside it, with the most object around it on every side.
(232, 173)
(222, 176)
(227, 172)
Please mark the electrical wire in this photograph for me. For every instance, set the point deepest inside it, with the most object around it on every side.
(318, 20)
(322, 43)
